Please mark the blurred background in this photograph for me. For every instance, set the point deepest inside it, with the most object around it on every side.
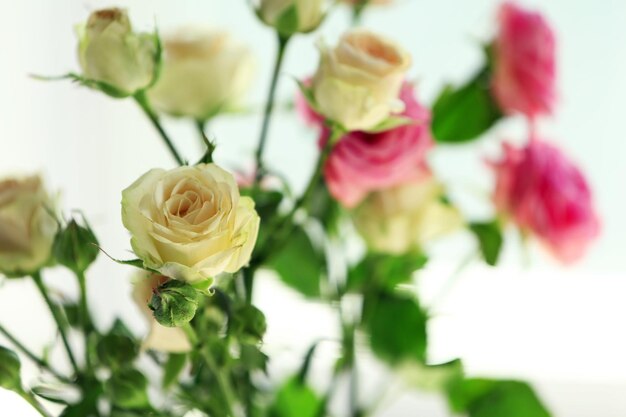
(562, 329)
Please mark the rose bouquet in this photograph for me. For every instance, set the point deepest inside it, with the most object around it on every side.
(354, 239)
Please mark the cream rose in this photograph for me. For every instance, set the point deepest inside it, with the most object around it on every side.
(161, 338)
(203, 72)
(406, 217)
(27, 228)
(110, 52)
(190, 223)
(291, 16)
(358, 82)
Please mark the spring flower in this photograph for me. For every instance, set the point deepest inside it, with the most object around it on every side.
(363, 162)
(524, 63)
(190, 223)
(291, 16)
(203, 73)
(27, 227)
(357, 82)
(546, 195)
(406, 217)
(161, 338)
(110, 52)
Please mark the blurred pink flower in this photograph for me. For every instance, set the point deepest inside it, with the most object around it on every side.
(524, 62)
(547, 195)
(363, 162)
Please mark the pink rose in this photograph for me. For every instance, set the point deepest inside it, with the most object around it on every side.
(364, 162)
(524, 62)
(547, 195)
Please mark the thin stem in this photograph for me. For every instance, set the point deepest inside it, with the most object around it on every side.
(248, 282)
(143, 102)
(206, 143)
(85, 317)
(280, 232)
(357, 11)
(34, 403)
(269, 106)
(223, 384)
(54, 310)
(30, 355)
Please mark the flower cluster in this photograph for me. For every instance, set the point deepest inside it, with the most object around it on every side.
(199, 236)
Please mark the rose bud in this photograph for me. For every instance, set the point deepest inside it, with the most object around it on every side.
(292, 16)
(524, 63)
(160, 338)
(547, 196)
(190, 223)
(10, 367)
(111, 53)
(75, 246)
(357, 82)
(406, 217)
(174, 303)
(27, 227)
(363, 162)
(204, 72)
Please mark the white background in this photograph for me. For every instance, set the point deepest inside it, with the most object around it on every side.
(562, 329)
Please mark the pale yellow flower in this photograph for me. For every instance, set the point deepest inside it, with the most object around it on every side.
(190, 223)
(110, 52)
(407, 217)
(203, 72)
(27, 227)
(358, 82)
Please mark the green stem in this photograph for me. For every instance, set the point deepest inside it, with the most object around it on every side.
(206, 143)
(34, 403)
(248, 283)
(357, 11)
(54, 310)
(144, 103)
(222, 382)
(85, 317)
(30, 355)
(269, 106)
(278, 235)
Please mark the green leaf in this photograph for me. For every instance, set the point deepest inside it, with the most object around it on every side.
(300, 264)
(252, 358)
(490, 240)
(118, 347)
(436, 378)
(102, 86)
(309, 96)
(397, 327)
(72, 314)
(10, 370)
(294, 399)
(173, 368)
(490, 398)
(463, 114)
(128, 389)
(325, 208)
(391, 122)
(384, 271)
(249, 321)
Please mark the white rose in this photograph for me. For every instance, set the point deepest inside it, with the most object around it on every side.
(291, 16)
(407, 217)
(27, 228)
(358, 82)
(203, 72)
(110, 52)
(190, 223)
(161, 338)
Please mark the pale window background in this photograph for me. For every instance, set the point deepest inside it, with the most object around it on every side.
(562, 329)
